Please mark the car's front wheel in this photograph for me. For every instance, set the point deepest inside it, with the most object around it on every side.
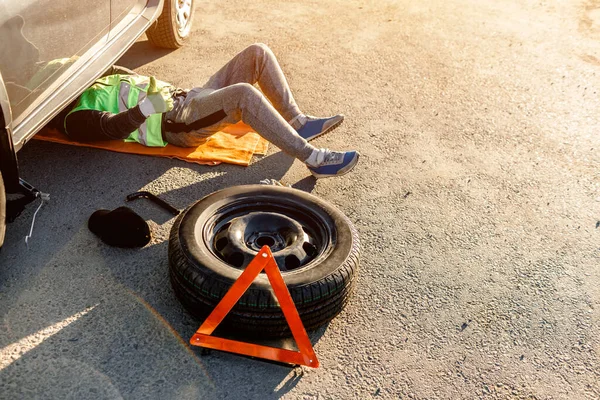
(174, 25)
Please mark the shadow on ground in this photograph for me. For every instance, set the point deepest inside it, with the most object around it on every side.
(142, 53)
(87, 320)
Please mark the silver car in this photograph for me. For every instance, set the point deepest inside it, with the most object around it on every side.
(51, 51)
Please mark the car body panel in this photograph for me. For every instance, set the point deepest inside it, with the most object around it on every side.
(123, 9)
(74, 78)
(36, 33)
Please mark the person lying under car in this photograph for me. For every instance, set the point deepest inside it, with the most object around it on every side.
(123, 105)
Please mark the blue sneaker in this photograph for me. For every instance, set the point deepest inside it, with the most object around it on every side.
(335, 163)
(315, 127)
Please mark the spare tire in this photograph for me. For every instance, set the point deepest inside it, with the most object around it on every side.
(315, 245)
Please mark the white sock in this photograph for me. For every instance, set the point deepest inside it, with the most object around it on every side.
(298, 121)
(316, 157)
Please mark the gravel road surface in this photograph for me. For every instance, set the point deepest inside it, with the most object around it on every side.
(477, 199)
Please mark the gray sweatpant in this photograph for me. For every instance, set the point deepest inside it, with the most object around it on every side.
(230, 94)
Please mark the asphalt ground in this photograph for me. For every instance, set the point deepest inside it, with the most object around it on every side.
(477, 198)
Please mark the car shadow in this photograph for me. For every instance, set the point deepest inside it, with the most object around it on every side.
(122, 330)
(148, 282)
(142, 53)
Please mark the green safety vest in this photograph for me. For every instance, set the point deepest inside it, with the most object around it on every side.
(117, 93)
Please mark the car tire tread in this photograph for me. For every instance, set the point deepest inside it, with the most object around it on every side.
(258, 313)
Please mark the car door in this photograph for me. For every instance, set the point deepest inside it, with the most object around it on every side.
(122, 12)
(41, 40)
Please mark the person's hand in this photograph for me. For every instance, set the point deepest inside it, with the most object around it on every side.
(156, 101)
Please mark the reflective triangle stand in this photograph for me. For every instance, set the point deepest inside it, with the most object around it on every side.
(263, 260)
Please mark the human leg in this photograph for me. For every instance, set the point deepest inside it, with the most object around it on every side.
(257, 64)
(240, 101)
(243, 101)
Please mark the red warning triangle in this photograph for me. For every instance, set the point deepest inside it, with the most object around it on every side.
(263, 260)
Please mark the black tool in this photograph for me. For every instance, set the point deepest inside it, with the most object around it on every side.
(154, 199)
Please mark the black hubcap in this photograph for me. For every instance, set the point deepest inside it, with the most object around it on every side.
(295, 237)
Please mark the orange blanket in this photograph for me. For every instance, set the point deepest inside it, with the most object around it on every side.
(234, 145)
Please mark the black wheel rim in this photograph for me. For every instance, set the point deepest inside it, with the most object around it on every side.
(297, 235)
